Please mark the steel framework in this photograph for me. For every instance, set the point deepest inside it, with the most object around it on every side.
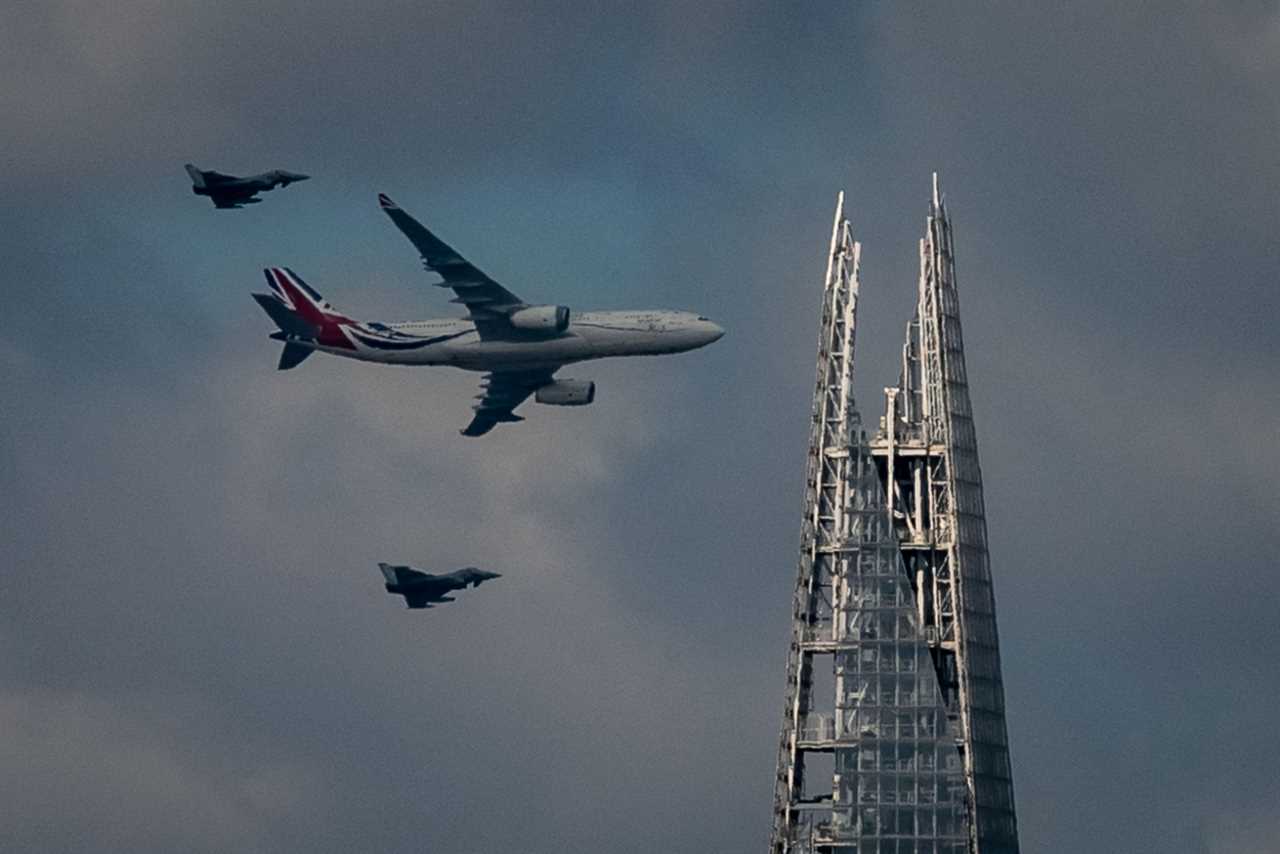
(894, 735)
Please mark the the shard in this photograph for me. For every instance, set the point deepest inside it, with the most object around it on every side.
(893, 740)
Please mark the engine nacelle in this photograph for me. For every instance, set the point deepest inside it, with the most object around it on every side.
(551, 319)
(566, 393)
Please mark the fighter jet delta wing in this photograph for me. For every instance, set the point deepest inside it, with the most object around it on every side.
(232, 200)
(416, 587)
(422, 600)
(502, 392)
(488, 302)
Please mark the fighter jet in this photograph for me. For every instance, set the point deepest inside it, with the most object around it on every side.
(421, 590)
(518, 346)
(228, 191)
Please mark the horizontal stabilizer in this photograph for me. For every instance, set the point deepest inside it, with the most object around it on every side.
(288, 321)
(293, 355)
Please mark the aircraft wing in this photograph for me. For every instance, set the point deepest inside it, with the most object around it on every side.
(503, 392)
(233, 197)
(428, 590)
(488, 302)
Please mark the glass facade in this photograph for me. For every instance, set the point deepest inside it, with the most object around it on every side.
(894, 734)
(899, 778)
(955, 528)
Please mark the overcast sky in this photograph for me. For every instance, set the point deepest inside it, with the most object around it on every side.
(197, 651)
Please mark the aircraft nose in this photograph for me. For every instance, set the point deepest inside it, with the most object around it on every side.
(712, 331)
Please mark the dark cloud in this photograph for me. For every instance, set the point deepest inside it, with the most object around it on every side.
(200, 654)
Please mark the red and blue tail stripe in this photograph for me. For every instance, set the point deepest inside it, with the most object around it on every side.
(302, 300)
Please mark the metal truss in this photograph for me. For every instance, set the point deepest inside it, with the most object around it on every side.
(894, 736)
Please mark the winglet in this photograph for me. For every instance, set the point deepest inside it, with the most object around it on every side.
(384, 201)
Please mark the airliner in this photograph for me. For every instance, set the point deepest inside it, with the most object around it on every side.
(517, 346)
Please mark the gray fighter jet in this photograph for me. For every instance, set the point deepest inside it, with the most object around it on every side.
(228, 191)
(421, 590)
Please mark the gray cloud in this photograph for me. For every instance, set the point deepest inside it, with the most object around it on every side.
(201, 656)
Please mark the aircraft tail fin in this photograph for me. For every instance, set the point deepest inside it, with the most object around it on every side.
(297, 334)
(197, 177)
(301, 298)
(289, 321)
(401, 574)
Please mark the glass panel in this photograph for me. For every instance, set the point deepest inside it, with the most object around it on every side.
(907, 782)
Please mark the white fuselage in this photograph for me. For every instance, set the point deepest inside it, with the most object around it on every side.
(590, 335)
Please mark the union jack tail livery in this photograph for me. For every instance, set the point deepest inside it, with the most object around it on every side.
(305, 318)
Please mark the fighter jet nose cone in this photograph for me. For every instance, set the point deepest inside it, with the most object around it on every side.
(717, 332)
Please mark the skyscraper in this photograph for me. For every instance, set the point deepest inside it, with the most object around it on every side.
(893, 739)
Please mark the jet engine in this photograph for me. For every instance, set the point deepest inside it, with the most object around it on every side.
(551, 319)
(567, 393)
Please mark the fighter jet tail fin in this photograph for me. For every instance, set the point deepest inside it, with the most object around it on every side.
(197, 177)
(401, 574)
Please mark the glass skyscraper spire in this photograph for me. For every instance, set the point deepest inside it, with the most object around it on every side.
(893, 739)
